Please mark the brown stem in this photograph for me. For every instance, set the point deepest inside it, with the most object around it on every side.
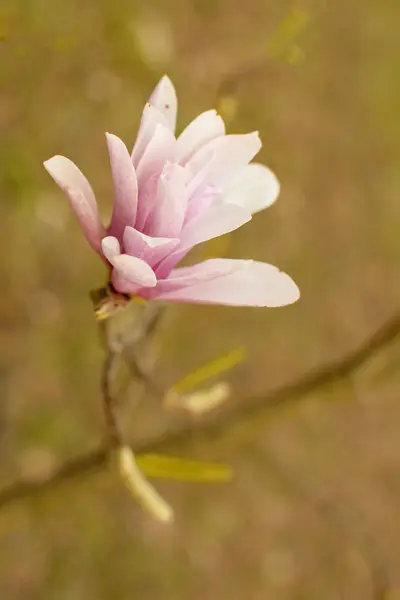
(269, 401)
(113, 434)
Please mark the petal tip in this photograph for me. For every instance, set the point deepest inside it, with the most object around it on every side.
(290, 290)
(112, 138)
(166, 82)
(51, 163)
(110, 247)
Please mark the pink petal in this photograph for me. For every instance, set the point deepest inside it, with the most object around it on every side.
(80, 194)
(164, 99)
(166, 219)
(134, 270)
(198, 179)
(200, 193)
(255, 187)
(213, 222)
(217, 220)
(151, 117)
(238, 283)
(201, 201)
(147, 201)
(111, 248)
(233, 152)
(149, 249)
(161, 148)
(165, 267)
(122, 285)
(204, 128)
(188, 276)
(125, 186)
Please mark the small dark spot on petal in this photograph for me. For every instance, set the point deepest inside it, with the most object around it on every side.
(167, 106)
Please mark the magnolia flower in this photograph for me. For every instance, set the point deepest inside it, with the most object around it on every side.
(172, 193)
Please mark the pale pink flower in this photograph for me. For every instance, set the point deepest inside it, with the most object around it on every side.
(172, 194)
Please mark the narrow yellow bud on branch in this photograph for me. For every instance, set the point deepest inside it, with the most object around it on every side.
(141, 489)
(200, 402)
(214, 368)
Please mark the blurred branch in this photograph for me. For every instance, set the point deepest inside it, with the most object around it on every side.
(292, 392)
(110, 360)
(123, 456)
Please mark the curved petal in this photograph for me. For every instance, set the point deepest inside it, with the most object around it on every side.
(147, 201)
(229, 282)
(160, 149)
(151, 117)
(122, 285)
(206, 127)
(134, 270)
(198, 180)
(255, 187)
(183, 277)
(80, 194)
(149, 249)
(111, 248)
(164, 99)
(166, 218)
(125, 186)
(164, 268)
(217, 220)
(232, 152)
(201, 201)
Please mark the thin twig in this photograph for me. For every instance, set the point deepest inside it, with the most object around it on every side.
(317, 379)
(113, 434)
(106, 382)
(123, 456)
(143, 375)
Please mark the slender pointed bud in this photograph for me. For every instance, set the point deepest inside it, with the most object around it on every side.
(141, 489)
(201, 402)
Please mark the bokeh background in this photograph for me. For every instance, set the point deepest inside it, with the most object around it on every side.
(313, 511)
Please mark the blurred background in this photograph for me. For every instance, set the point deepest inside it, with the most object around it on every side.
(313, 511)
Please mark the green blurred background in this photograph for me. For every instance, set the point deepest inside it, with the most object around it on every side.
(320, 80)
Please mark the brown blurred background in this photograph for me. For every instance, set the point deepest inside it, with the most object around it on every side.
(313, 512)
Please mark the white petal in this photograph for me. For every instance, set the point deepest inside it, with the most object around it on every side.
(125, 186)
(111, 247)
(164, 99)
(80, 194)
(217, 220)
(194, 275)
(199, 178)
(255, 187)
(160, 149)
(232, 152)
(210, 222)
(204, 128)
(229, 282)
(134, 270)
(151, 117)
